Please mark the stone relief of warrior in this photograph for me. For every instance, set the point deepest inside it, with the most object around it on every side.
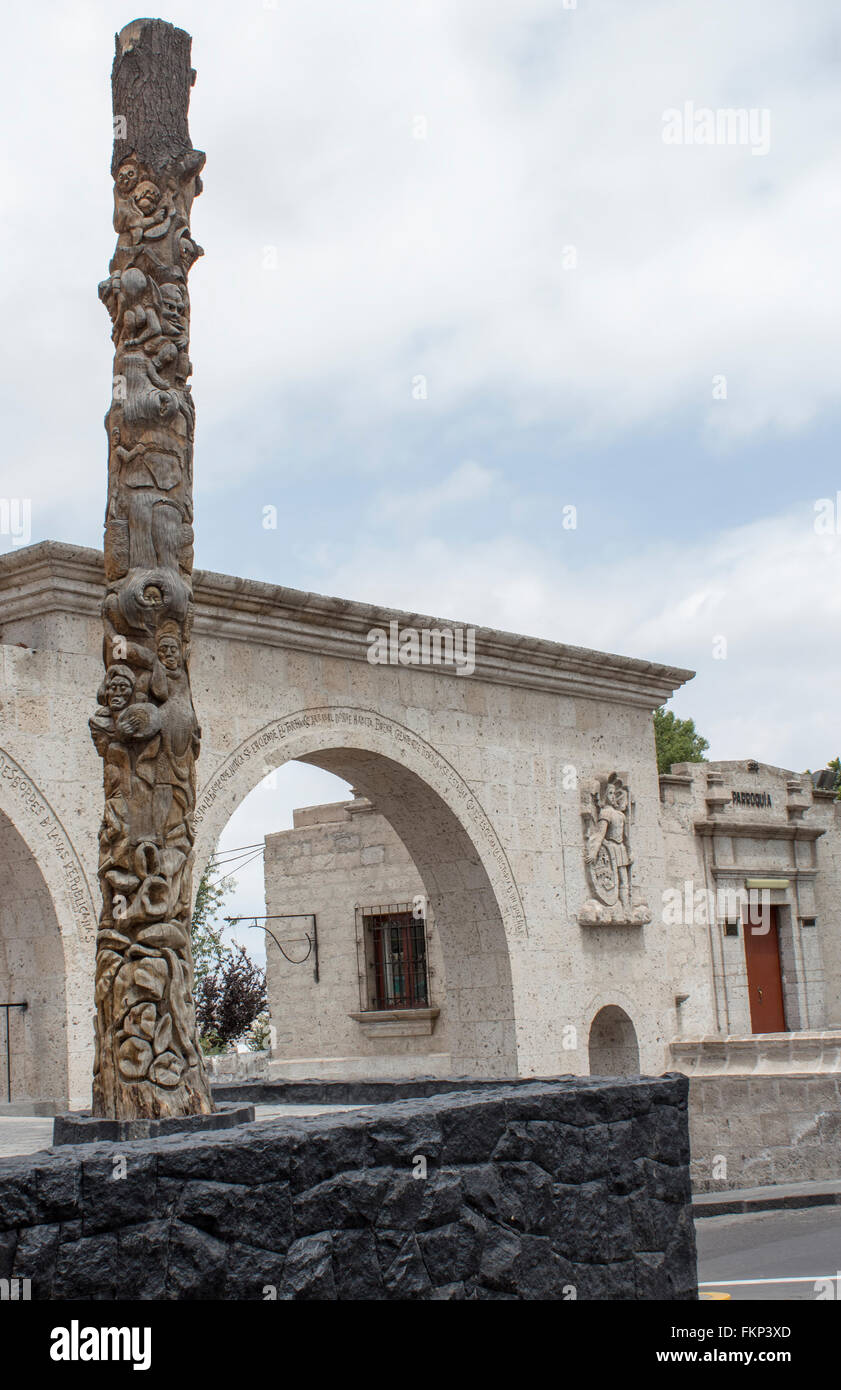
(608, 860)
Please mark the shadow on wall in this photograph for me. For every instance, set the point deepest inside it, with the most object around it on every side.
(613, 1046)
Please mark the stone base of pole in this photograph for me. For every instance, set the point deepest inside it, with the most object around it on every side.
(80, 1127)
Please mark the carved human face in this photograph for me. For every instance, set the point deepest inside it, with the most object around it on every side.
(118, 692)
(610, 794)
(169, 654)
(147, 197)
(127, 177)
(172, 298)
(172, 304)
(621, 799)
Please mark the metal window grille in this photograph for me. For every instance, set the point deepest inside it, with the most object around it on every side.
(396, 955)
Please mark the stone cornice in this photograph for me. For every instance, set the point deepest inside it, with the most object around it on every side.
(758, 830)
(743, 871)
(53, 577)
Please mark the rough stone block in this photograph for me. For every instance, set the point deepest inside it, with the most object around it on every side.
(35, 1258)
(142, 1261)
(535, 1191)
(452, 1253)
(308, 1270)
(196, 1263)
(87, 1268)
(404, 1273)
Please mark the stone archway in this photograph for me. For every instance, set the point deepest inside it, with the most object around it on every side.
(47, 931)
(31, 971)
(455, 850)
(613, 1046)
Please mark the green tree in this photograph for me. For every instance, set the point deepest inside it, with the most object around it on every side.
(676, 740)
(209, 950)
(829, 777)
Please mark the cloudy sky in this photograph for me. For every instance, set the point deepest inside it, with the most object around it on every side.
(456, 281)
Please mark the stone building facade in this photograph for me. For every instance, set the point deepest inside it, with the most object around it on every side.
(745, 835)
(343, 865)
(743, 934)
(533, 827)
(484, 777)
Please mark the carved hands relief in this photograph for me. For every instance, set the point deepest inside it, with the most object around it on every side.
(608, 860)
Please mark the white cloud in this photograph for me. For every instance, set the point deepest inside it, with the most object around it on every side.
(443, 255)
(770, 588)
(469, 482)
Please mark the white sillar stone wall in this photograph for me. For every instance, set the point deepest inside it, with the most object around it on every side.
(337, 858)
(479, 776)
(781, 829)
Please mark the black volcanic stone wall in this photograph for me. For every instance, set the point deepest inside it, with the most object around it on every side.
(359, 1092)
(549, 1190)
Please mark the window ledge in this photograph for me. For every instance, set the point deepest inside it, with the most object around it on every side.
(397, 1023)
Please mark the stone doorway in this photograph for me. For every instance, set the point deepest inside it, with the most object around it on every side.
(765, 983)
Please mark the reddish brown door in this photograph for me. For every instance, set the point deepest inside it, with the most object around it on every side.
(765, 984)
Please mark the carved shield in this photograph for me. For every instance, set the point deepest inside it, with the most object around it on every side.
(604, 879)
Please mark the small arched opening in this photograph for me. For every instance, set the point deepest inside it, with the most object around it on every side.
(613, 1046)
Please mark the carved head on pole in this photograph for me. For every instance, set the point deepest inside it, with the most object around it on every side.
(127, 177)
(147, 195)
(117, 690)
(169, 648)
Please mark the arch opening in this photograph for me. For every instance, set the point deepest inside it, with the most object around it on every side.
(613, 1046)
(476, 1001)
(32, 970)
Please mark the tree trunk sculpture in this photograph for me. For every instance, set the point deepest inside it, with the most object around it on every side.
(148, 1062)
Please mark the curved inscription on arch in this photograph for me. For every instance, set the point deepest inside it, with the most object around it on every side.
(306, 731)
(34, 818)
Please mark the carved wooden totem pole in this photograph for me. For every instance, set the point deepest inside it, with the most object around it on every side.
(148, 1061)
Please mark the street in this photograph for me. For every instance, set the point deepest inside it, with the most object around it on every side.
(772, 1255)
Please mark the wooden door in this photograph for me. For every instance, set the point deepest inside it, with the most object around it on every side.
(765, 983)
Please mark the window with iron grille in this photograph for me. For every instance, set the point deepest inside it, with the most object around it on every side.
(395, 950)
